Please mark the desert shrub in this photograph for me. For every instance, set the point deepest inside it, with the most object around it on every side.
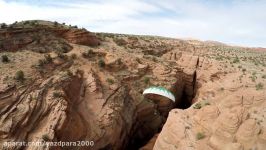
(207, 103)
(63, 49)
(146, 80)
(110, 81)
(5, 59)
(73, 56)
(88, 53)
(197, 106)
(62, 56)
(253, 78)
(48, 58)
(200, 135)
(101, 63)
(41, 62)
(3, 25)
(259, 86)
(26, 22)
(244, 70)
(45, 137)
(264, 76)
(33, 23)
(236, 60)
(57, 94)
(154, 59)
(55, 23)
(120, 41)
(19, 76)
(69, 73)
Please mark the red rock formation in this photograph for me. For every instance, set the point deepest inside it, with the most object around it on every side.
(44, 38)
(81, 37)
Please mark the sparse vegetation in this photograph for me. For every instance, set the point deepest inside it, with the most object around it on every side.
(55, 23)
(69, 73)
(197, 106)
(3, 25)
(19, 76)
(146, 80)
(57, 94)
(48, 58)
(120, 41)
(62, 56)
(73, 56)
(45, 137)
(201, 104)
(200, 136)
(89, 53)
(259, 86)
(41, 62)
(236, 60)
(253, 78)
(110, 81)
(5, 58)
(101, 63)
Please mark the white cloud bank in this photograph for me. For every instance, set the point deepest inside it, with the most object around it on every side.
(239, 22)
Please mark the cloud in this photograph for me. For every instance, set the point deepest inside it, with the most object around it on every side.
(240, 22)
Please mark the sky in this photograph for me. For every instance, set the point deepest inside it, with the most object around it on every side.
(236, 22)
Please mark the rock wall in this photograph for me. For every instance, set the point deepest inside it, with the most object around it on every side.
(44, 39)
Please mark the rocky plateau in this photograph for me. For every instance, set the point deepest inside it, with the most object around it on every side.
(62, 83)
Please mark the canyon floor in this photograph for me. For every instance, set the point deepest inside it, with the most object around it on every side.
(61, 83)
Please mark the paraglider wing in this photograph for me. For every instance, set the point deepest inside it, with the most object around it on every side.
(159, 91)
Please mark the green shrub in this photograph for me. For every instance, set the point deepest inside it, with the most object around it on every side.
(3, 25)
(41, 62)
(253, 78)
(69, 73)
(45, 137)
(120, 41)
(259, 86)
(236, 60)
(57, 94)
(197, 106)
(55, 23)
(200, 135)
(101, 63)
(19, 76)
(110, 81)
(146, 80)
(207, 103)
(73, 56)
(5, 59)
(154, 59)
(88, 53)
(62, 56)
(48, 58)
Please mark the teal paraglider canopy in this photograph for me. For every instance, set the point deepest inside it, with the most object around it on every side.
(159, 91)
